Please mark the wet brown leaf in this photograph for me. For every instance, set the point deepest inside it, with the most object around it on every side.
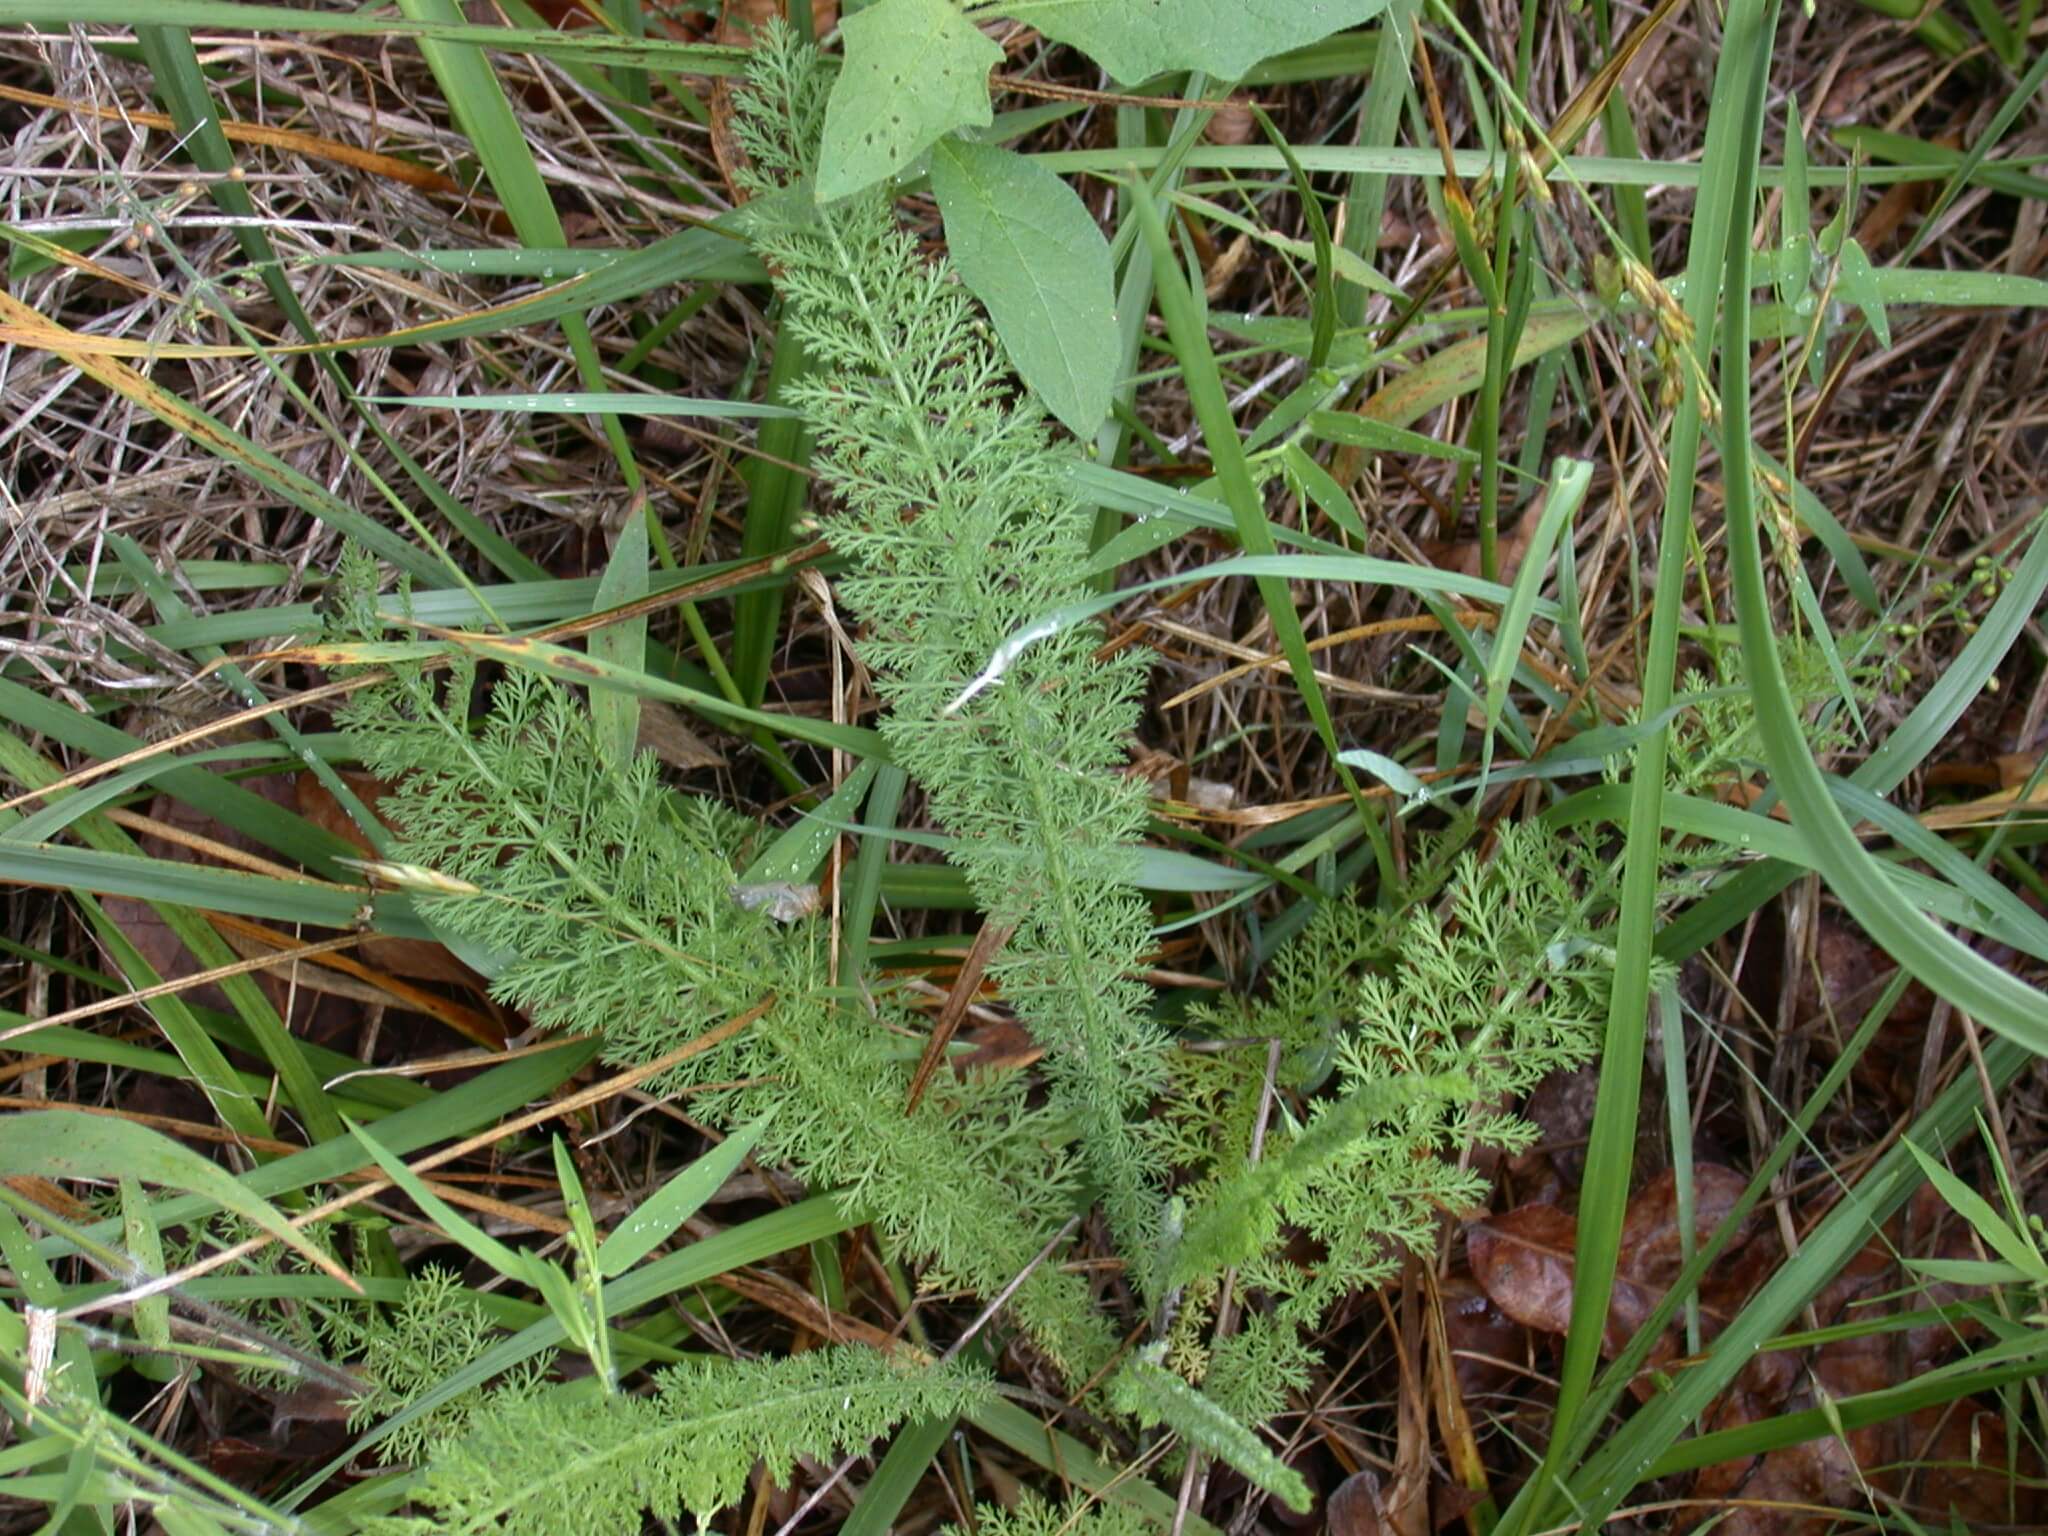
(663, 733)
(1652, 1248)
(1356, 1508)
(1522, 1259)
(1562, 1108)
(1483, 1340)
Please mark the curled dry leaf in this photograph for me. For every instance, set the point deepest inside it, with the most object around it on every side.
(1232, 123)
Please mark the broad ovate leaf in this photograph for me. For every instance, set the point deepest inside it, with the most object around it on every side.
(914, 70)
(1025, 244)
(1135, 39)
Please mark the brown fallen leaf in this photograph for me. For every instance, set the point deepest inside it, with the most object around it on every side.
(1522, 1259)
(1463, 554)
(1355, 1509)
(1652, 1251)
(663, 733)
(1484, 1342)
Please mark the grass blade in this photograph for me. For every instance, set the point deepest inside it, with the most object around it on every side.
(1740, 76)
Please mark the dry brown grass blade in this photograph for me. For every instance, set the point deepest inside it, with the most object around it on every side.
(1419, 624)
(597, 1093)
(1255, 659)
(1461, 1447)
(1993, 807)
(490, 1205)
(74, 344)
(184, 984)
(987, 942)
(312, 146)
(1053, 92)
(78, 261)
(806, 1311)
(1260, 815)
(460, 1061)
(466, 1022)
(1587, 101)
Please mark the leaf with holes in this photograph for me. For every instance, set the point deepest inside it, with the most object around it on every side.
(1026, 245)
(915, 70)
(1135, 39)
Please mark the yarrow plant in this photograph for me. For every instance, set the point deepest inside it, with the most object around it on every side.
(1385, 1046)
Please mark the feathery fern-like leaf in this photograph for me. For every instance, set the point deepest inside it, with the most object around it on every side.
(1152, 1394)
(568, 1464)
(612, 900)
(962, 526)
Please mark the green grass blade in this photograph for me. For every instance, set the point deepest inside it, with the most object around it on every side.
(1899, 754)
(112, 873)
(1640, 1445)
(477, 98)
(1569, 479)
(1365, 205)
(896, 1477)
(245, 16)
(1951, 969)
(275, 1042)
(616, 712)
(1188, 328)
(593, 672)
(175, 65)
(593, 403)
(497, 1091)
(1741, 76)
(776, 487)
